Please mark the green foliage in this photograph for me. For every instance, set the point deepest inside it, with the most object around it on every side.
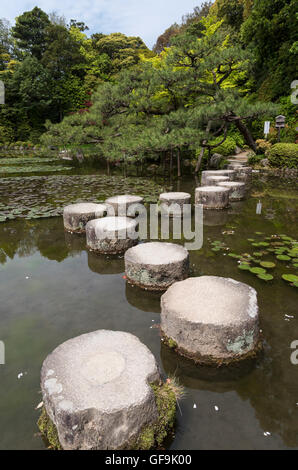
(283, 155)
(48, 430)
(30, 32)
(227, 147)
(270, 31)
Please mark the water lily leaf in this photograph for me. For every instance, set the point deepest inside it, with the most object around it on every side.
(265, 277)
(283, 257)
(267, 264)
(290, 278)
(257, 270)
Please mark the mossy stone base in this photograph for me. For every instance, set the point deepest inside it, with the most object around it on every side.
(211, 361)
(152, 436)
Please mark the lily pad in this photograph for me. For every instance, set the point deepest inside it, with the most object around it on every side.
(267, 264)
(283, 257)
(257, 270)
(265, 277)
(290, 278)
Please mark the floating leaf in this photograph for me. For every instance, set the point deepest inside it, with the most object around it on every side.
(267, 264)
(283, 257)
(290, 278)
(265, 277)
(244, 266)
(257, 270)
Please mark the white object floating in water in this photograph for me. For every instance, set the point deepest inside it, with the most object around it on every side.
(39, 405)
(194, 405)
(266, 433)
(20, 375)
(216, 408)
(27, 277)
(259, 208)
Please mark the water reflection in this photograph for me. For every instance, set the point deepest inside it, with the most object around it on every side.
(103, 264)
(143, 300)
(72, 291)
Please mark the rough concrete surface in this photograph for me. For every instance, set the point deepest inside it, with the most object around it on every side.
(76, 216)
(111, 234)
(172, 203)
(237, 189)
(212, 318)
(156, 265)
(212, 197)
(123, 205)
(96, 390)
(206, 173)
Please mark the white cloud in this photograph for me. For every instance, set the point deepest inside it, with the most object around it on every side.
(144, 18)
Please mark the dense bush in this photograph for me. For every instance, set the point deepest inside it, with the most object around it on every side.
(283, 155)
(263, 145)
(226, 148)
(254, 159)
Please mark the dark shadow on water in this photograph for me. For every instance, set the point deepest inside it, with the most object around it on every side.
(143, 300)
(203, 377)
(105, 264)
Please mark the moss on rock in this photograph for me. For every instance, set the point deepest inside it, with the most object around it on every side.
(152, 436)
(48, 430)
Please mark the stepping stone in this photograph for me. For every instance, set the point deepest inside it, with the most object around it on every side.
(244, 173)
(214, 179)
(172, 203)
(212, 197)
(123, 205)
(206, 173)
(156, 265)
(76, 216)
(96, 391)
(235, 165)
(111, 234)
(211, 319)
(237, 189)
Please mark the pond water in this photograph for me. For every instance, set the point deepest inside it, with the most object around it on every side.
(52, 289)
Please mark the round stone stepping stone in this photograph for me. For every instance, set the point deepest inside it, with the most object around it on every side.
(237, 189)
(206, 173)
(214, 179)
(235, 165)
(111, 234)
(212, 197)
(211, 319)
(244, 173)
(76, 216)
(172, 203)
(96, 390)
(156, 265)
(123, 205)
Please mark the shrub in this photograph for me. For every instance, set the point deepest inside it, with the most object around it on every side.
(226, 148)
(283, 155)
(253, 159)
(263, 145)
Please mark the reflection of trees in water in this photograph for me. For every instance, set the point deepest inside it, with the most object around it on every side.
(25, 237)
(104, 264)
(270, 387)
(141, 299)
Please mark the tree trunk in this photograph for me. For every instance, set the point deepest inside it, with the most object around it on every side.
(203, 149)
(171, 162)
(178, 164)
(246, 134)
(199, 160)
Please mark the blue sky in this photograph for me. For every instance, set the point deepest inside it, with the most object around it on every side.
(145, 18)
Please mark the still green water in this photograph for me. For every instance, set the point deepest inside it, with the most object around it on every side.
(52, 289)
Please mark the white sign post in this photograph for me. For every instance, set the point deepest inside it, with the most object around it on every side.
(266, 128)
